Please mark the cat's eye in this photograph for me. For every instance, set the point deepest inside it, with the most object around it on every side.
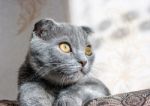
(88, 50)
(65, 47)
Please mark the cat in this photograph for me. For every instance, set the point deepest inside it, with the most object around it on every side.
(57, 66)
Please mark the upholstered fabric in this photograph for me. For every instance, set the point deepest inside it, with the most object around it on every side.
(138, 98)
(8, 103)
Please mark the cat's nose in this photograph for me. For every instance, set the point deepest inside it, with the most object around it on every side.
(83, 63)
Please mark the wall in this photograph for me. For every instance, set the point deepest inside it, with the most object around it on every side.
(16, 19)
(121, 40)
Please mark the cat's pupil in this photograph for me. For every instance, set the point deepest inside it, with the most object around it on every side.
(65, 47)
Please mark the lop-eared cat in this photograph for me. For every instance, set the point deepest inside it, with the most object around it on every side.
(55, 72)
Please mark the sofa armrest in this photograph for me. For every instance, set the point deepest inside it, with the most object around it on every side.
(8, 103)
(137, 98)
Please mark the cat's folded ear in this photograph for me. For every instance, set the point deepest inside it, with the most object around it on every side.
(88, 30)
(43, 26)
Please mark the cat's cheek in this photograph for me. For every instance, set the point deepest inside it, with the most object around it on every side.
(86, 69)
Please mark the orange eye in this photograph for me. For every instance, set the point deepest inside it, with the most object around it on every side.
(88, 51)
(65, 47)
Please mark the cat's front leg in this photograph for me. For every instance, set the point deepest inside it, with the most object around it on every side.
(68, 100)
(33, 94)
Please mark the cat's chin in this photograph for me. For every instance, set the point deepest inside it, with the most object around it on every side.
(64, 78)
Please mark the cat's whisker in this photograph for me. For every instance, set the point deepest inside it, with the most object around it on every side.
(63, 80)
(42, 72)
(97, 68)
(46, 71)
(60, 66)
(61, 77)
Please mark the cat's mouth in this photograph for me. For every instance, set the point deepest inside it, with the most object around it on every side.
(72, 73)
(81, 70)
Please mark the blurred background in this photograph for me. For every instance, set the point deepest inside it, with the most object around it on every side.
(121, 39)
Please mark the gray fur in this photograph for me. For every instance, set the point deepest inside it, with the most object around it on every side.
(50, 77)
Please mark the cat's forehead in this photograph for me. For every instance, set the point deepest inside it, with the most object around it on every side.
(70, 30)
(74, 33)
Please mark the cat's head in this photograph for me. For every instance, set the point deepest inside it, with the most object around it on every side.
(60, 53)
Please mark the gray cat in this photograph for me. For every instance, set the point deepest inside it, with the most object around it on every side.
(55, 72)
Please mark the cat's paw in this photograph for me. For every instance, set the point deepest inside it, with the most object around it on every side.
(65, 101)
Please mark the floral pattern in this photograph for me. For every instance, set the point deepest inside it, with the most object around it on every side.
(138, 98)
